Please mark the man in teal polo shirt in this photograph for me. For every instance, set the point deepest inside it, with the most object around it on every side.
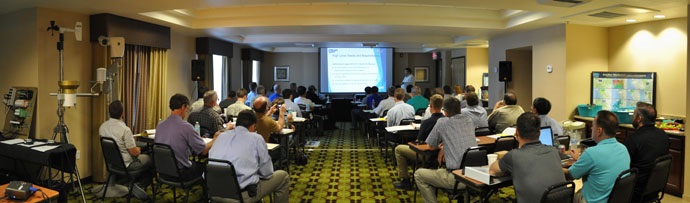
(417, 101)
(602, 163)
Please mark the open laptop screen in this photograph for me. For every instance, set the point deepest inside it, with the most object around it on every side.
(546, 136)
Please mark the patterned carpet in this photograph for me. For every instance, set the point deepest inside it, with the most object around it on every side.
(345, 168)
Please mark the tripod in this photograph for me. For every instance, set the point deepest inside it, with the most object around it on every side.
(63, 131)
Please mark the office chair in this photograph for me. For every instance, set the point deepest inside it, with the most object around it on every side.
(559, 193)
(623, 187)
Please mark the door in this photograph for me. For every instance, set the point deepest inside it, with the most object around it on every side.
(458, 71)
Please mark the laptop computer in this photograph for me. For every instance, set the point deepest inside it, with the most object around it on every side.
(546, 138)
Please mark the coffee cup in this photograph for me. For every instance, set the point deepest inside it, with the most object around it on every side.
(491, 158)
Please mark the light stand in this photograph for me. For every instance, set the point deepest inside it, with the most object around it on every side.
(66, 87)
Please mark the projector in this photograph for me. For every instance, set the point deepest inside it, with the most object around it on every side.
(18, 190)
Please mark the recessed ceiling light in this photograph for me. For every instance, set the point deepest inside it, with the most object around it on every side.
(659, 16)
(631, 20)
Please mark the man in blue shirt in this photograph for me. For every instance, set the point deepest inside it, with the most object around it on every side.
(602, 163)
(276, 93)
(374, 98)
(249, 154)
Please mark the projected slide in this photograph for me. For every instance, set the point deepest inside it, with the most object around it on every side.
(345, 70)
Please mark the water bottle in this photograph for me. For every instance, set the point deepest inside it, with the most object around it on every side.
(197, 128)
(574, 141)
(286, 124)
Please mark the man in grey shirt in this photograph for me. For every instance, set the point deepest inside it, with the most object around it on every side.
(534, 166)
(400, 111)
(474, 111)
(542, 106)
(456, 131)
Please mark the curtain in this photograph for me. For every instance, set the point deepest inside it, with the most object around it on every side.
(135, 82)
(157, 103)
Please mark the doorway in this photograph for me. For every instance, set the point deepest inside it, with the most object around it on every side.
(521, 84)
(458, 71)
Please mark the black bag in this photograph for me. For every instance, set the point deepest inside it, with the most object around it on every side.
(301, 159)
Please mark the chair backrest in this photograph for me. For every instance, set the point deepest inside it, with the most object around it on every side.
(420, 112)
(475, 156)
(482, 131)
(658, 177)
(164, 160)
(406, 121)
(505, 143)
(384, 114)
(559, 193)
(564, 140)
(221, 180)
(302, 107)
(113, 159)
(623, 187)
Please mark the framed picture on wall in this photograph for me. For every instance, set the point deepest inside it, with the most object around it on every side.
(421, 74)
(281, 73)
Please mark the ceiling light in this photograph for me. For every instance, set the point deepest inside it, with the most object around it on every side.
(659, 16)
(630, 20)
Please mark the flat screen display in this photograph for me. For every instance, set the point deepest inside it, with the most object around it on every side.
(546, 136)
(350, 70)
(617, 91)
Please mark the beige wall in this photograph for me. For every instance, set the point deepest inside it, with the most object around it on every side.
(686, 173)
(521, 83)
(655, 46)
(180, 55)
(548, 48)
(586, 51)
(477, 64)
(18, 44)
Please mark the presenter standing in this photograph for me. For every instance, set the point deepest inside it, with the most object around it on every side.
(409, 79)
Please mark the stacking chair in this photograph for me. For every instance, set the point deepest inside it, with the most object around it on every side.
(475, 156)
(221, 181)
(505, 143)
(482, 131)
(116, 165)
(559, 193)
(169, 173)
(623, 187)
(657, 180)
(564, 140)
(420, 112)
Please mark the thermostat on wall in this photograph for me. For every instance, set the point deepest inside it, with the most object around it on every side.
(549, 68)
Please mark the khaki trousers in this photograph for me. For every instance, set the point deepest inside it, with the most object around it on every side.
(403, 154)
(429, 179)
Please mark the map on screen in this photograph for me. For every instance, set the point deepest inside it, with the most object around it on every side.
(622, 90)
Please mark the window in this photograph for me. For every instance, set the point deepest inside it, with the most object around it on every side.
(219, 76)
(256, 65)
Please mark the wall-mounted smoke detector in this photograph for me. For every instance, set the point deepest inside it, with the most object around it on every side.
(563, 3)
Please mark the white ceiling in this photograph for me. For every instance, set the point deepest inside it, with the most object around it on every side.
(408, 26)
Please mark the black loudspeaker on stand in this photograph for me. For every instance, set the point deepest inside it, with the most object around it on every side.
(198, 70)
(505, 71)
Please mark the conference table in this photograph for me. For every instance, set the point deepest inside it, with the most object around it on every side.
(27, 161)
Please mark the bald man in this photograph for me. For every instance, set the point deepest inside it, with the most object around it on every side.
(266, 126)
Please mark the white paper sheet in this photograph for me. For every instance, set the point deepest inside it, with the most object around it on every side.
(271, 146)
(13, 141)
(45, 148)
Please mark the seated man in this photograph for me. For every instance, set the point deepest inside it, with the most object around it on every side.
(417, 101)
(400, 111)
(403, 153)
(302, 99)
(474, 111)
(373, 100)
(252, 93)
(182, 138)
(644, 146)
(602, 163)
(456, 131)
(505, 113)
(209, 120)
(542, 106)
(276, 93)
(247, 151)
(265, 125)
(239, 105)
(131, 154)
(289, 105)
(530, 182)
(232, 98)
(387, 103)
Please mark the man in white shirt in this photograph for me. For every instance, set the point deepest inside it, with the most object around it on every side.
(289, 105)
(387, 103)
(408, 80)
(239, 105)
(400, 111)
(131, 154)
(302, 99)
